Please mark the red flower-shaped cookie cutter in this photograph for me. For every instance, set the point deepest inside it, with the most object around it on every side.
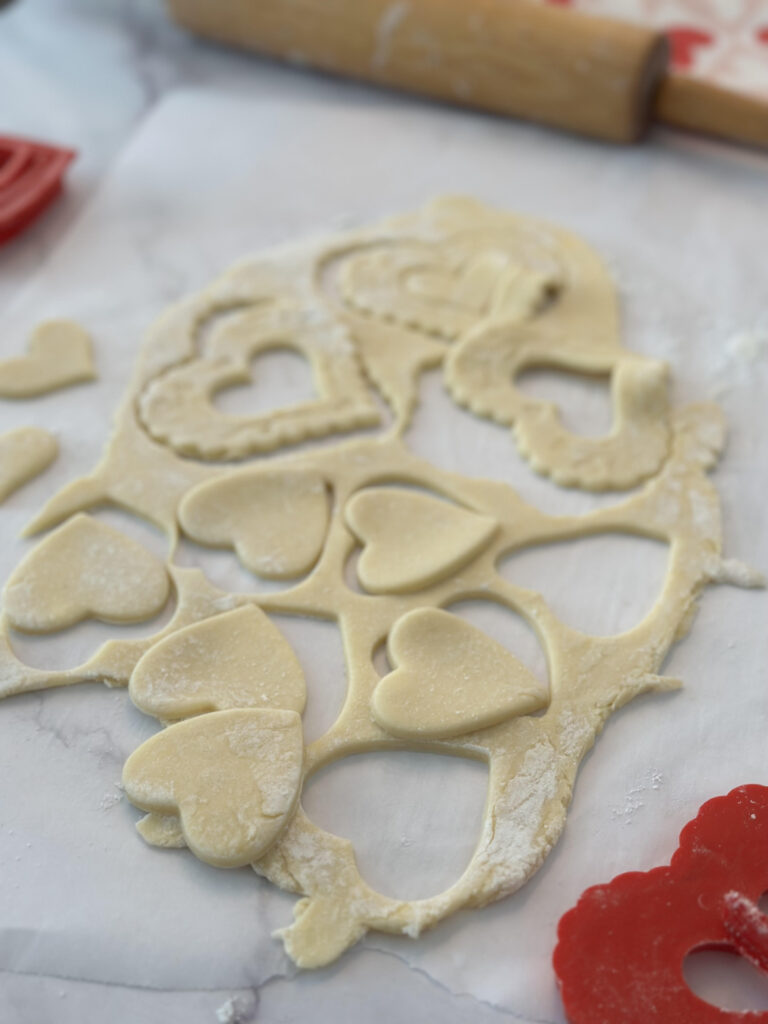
(620, 952)
(30, 178)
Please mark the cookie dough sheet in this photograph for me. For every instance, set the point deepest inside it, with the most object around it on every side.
(681, 233)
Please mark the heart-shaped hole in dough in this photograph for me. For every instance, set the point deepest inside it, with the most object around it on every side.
(412, 540)
(177, 407)
(235, 660)
(233, 777)
(281, 377)
(602, 585)
(275, 521)
(84, 569)
(450, 679)
(413, 818)
(583, 400)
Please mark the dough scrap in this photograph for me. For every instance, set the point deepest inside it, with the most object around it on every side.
(515, 295)
(477, 373)
(233, 776)
(412, 540)
(163, 830)
(85, 569)
(24, 454)
(275, 521)
(526, 294)
(449, 678)
(59, 353)
(238, 659)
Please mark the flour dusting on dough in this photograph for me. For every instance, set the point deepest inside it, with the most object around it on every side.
(479, 295)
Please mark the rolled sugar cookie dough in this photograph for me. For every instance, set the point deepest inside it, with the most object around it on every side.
(381, 542)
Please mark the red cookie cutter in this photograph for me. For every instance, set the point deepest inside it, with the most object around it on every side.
(30, 179)
(620, 952)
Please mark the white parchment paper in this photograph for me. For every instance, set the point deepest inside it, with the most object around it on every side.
(208, 178)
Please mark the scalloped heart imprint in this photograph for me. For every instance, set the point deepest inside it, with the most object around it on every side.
(444, 294)
(177, 407)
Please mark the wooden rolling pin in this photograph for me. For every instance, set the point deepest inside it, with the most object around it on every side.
(594, 76)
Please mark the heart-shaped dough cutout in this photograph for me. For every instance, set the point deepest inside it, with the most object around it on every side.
(24, 453)
(450, 679)
(58, 354)
(85, 569)
(235, 660)
(233, 777)
(412, 540)
(275, 521)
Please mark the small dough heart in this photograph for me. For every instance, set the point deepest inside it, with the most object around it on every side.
(275, 521)
(85, 569)
(235, 660)
(450, 679)
(412, 540)
(24, 453)
(233, 777)
(58, 354)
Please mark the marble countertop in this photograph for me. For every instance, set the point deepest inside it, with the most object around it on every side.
(675, 221)
(84, 73)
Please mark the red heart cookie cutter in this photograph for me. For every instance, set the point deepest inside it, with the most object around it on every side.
(30, 179)
(620, 951)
